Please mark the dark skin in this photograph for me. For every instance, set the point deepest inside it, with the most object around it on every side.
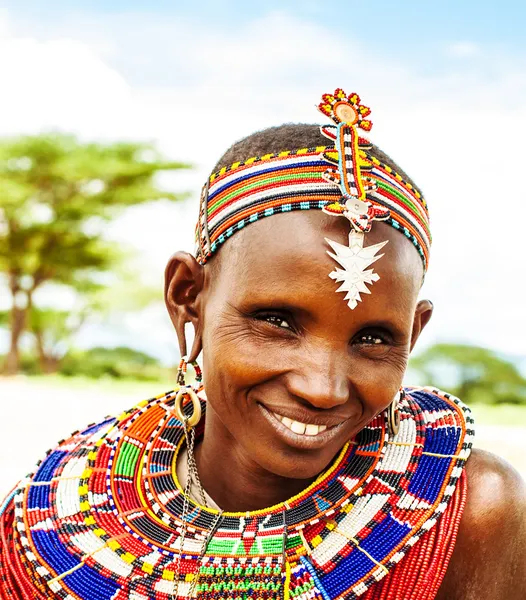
(489, 560)
(278, 340)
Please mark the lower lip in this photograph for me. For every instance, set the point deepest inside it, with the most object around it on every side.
(297, 440)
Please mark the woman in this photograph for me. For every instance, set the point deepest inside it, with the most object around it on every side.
(315, 474)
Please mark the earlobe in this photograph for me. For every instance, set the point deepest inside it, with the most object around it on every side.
(184, 282)
(423, 313)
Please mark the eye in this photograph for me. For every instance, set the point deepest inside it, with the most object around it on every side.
(370, 339)
(274, 319)
(373, 343)
(277, 321)
(373, 337)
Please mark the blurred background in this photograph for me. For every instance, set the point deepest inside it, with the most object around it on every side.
(112, 114)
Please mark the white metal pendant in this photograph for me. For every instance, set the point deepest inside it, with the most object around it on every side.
(354, 259)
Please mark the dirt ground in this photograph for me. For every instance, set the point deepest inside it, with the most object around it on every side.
(34, 416)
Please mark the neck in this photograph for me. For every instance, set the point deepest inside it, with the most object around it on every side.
(234, 481)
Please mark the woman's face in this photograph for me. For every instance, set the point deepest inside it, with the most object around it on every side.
(292, 373)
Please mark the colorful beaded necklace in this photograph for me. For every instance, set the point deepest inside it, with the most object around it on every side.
(100, 519)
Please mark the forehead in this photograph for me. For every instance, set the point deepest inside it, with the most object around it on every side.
(286, 255)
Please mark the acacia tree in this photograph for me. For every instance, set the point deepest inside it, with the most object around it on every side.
(55, 191)
(472, 373)
(54, 331)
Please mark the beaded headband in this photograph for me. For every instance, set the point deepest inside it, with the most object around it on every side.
(342, 179)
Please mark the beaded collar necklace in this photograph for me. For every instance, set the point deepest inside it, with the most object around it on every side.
(101, 517)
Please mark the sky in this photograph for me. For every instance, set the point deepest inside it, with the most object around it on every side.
(446, 82)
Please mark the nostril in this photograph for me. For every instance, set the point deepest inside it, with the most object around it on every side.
(321, 393)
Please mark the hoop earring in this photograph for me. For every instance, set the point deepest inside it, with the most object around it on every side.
(187, 390)
(393, 415)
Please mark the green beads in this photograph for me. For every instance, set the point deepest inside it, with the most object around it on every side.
(249, 582)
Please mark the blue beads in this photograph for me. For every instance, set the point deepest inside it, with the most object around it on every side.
(305, 562)
(87, 583)
(57, 555)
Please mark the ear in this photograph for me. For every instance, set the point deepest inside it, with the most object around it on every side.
(183, 283)
(423, 313)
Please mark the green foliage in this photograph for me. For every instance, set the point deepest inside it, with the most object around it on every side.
(52, 185)
(120, 362)
(472, 373)
(29, 364)
(55, 195)
(125, 294)
(53, 331)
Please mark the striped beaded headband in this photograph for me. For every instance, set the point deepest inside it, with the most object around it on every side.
(342, 179)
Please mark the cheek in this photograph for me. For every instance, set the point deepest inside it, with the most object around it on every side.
(236, 358)
(378, 382)
(235, 354)
(377, 394)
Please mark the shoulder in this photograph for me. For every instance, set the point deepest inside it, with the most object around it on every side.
(489, 559)
(496, 501)
(492, 480)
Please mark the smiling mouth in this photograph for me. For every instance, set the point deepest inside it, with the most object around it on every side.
(305, 436)
(298, 427)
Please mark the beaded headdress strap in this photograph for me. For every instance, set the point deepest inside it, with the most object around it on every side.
(343, 178)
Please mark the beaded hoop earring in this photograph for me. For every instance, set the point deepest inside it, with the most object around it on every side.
(393, 415)
(187, 390)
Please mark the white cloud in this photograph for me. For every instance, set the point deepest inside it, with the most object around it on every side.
(60, 83)
(463, 49)
(195, 89)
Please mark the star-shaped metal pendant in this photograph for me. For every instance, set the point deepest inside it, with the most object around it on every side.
(355, 260)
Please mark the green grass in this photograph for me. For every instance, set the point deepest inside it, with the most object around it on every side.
(110, 385)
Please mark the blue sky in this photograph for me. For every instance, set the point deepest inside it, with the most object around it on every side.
(413, 30)
(418, 20)
(446, 82)
(413, 25)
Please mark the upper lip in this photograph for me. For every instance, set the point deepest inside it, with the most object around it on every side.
(308, 418)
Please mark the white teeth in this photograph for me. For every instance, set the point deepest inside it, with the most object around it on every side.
(301, 428)
(312, 430)
(298, 427)
(286, 421)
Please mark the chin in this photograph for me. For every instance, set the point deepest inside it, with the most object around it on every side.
(290, 463)
(300, 454)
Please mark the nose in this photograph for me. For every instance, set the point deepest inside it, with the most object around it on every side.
(322, 380)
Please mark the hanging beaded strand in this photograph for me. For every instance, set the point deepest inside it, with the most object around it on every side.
(192, 475)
